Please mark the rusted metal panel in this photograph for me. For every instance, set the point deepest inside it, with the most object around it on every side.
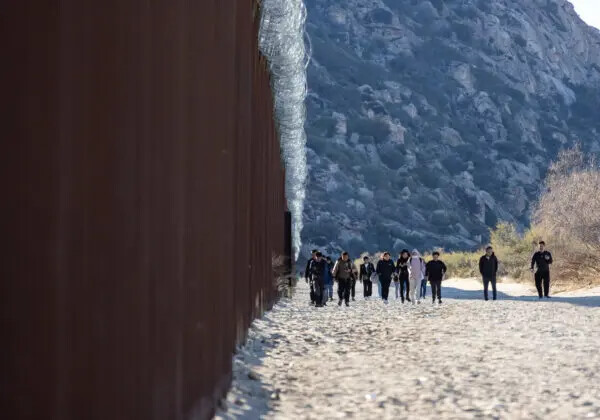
(143, 202)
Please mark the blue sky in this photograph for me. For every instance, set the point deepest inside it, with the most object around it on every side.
(589, 10)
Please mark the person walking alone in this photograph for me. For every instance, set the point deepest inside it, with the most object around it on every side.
(417, 272)
(402, 270)
(542, 259)
(385, 270)
(366, 271)
(343, 271)
(435, 271)
(488, 267)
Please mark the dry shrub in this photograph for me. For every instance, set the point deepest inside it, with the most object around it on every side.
(569, 214)
(514, 250)
(462, 264)
(567, 217)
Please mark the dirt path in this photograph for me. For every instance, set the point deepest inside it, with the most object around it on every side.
(514, 358)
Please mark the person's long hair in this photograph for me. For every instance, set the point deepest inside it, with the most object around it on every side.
(402, 258)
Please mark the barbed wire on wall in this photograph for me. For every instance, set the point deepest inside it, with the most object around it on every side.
(286, 46)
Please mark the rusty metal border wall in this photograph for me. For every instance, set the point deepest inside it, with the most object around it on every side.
(143, 199)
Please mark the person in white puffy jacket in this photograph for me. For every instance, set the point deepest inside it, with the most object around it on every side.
(417, 273)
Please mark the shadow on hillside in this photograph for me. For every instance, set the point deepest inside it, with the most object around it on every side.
(460, 294)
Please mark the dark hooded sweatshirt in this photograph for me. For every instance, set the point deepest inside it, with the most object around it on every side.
(488, 267)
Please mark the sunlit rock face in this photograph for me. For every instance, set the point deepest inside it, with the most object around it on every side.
(430, 121)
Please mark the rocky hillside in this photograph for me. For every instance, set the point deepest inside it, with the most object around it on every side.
(429, 121)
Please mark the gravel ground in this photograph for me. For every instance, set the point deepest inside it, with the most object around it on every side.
(513, 358)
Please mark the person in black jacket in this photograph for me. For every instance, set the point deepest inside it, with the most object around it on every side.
(385, 270)
(402, 272)
(318, 267)
(308, 275)
(542, 259)
(435, 271)
(366, 271)
(488, 267)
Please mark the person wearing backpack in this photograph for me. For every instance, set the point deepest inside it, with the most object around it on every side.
(366, 271)
(416, 266)
(385, 270)
(488, 267)
(402, 272)
(343, 272)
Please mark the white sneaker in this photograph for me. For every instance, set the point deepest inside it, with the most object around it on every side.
(385, 301)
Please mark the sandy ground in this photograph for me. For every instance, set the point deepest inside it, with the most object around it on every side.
(513, 358)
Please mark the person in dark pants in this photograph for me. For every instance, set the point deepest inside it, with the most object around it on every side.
(353, 286)
(385, 270)
(343, 272)
(435, 271)
(308, 273)
(542, 259)
(488, 267)
(402, 271)
(366, 271)
(329, 279)
(318, 268)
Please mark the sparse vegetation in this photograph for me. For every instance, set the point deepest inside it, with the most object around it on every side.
(567, 217)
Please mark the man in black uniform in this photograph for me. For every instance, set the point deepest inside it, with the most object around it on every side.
(366, 270)
(308, 272)
(435, 271)
(542, 259)
(318, 267)
(488, 267)
(385, 270)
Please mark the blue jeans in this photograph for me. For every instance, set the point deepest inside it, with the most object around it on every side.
(398, 289)
(379, 287)
(329, 290)
(423, 288)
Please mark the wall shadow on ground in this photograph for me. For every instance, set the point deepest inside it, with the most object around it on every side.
(461, 294)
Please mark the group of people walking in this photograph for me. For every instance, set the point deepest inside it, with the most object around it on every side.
(409, 274)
